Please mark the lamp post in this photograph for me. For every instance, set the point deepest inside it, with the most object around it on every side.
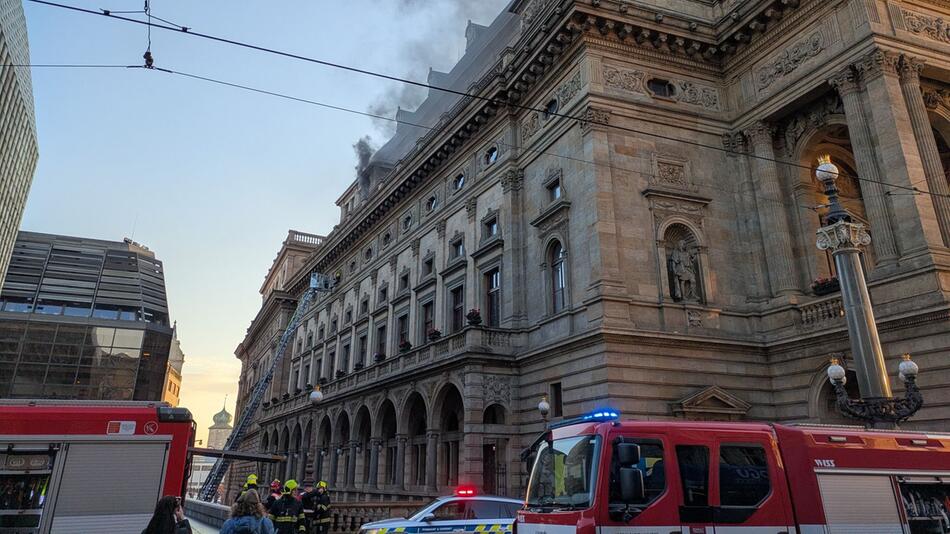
(316, 396)
(845, 238)
(544, 407)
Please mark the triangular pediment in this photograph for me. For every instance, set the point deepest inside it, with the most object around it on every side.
(711, 402)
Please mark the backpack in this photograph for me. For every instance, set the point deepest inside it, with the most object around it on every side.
(245, 528)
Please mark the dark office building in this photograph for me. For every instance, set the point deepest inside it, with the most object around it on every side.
(83, 319)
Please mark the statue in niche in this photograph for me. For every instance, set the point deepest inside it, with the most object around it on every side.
(683, 270)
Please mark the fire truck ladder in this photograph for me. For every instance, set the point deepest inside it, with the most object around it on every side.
(318, 283)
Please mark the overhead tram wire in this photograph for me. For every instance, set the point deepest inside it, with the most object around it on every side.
(188, 31)
(397, 121)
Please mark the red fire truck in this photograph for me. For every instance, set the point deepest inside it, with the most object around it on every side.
(602, 475)
(76, 466)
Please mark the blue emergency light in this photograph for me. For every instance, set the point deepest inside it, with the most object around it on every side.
(602, 415)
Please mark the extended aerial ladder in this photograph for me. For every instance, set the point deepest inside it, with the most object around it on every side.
(318, 282)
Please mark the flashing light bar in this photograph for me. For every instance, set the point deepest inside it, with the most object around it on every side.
(596, 416)
(465, 492)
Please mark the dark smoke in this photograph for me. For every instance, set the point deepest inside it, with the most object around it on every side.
(436, 44)
(364, 151)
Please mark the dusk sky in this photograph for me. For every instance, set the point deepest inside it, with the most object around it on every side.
(209, 177)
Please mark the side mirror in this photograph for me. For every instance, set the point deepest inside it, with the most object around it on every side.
(428, 518)
(631, 485)
(628, 454)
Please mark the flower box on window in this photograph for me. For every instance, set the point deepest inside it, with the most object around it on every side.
(405, 346)
(340, 373)
(434, 334)
(474, 317)
(357, 366)
(825, 286)
(378, 357)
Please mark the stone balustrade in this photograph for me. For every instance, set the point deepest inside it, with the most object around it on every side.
(823, 312)
(473, 339)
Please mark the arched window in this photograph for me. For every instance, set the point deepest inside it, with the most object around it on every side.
(491, 156)
(459, 182)
(556, 257)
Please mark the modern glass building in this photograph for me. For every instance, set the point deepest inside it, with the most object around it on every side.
(83, 319)
(18, 148)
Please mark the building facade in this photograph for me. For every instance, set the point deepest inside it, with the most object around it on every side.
(625, 216)
(176, 360)
(83, 319)
(18, 146)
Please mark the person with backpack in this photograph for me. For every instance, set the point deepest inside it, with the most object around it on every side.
(287, 512)
(248, 516)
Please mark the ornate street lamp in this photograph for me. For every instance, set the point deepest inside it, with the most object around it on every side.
(544, 407)
(844, 238)
(316, 396)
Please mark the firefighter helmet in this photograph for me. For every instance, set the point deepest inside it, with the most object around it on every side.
(290, 485)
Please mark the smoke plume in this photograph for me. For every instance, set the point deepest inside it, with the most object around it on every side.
(364, 151)
(436, 42)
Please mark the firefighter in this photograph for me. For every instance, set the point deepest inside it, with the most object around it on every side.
(274, 494)
(249, 484)
(307, 499)
(322, 509)
(287, 512)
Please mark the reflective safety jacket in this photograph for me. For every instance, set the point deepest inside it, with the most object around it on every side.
(322, 507)
(287, 515)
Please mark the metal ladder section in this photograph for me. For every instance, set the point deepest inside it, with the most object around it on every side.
(210, 487)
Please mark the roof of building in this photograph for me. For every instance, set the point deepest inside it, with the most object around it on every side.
(222, 419)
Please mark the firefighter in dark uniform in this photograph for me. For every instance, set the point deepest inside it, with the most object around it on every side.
(322, 509)
(287, 512)
(307, 501)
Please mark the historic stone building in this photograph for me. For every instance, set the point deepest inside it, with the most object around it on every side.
(18, 149)
(629, 201)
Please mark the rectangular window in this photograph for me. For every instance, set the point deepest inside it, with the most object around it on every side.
(651, 464)
(295, 381)
(333, 326)
(743, 475)
(306, 374)
(309, 339)
(428, 320)
(491, 227)
(381, 340)
(427, 267)
(319, 366)
(331, 365)
(404, 282)
(458, 308)
(557, 404)
(348, 318)
(493, 297)
(554, 190)
(458, 248)
(361, 355)
(403, 327)
(345, 358)
(321, 332)
(383, 294)
(364, 306)
(693, 461)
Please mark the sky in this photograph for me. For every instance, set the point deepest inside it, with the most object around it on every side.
(211, 178)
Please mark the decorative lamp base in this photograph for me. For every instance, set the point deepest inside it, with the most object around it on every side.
(881, 410)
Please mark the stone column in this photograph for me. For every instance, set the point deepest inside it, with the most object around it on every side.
(514, 312)
(926, 143)
(351, 465)
(778, 254)
(401, 461)
(334, 465)
(912, 220)
(375, 444)
(872, 188)
(432, 459)
(750, 237)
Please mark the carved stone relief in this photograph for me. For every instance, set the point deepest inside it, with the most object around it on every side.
(687, 92)
(813, 116)
(671, 172)
(536, 120)
(497, 389)
(789, 60)
(934, 28)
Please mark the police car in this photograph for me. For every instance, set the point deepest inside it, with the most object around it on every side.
(463, 512)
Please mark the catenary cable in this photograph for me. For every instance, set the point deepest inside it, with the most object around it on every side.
(188, 31)
(394, 120)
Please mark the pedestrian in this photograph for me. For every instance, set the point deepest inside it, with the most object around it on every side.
(307, 500)
(274, 494)
(322, 508)
(248, 516)
(249, 484)
(287, 512)
(169, 518)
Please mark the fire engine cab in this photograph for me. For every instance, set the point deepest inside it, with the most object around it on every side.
(87, 466)
(598, 474)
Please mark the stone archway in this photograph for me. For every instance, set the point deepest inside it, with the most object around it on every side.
(294, 453)
(414, 415)
(341, 456)
(324, 440)
(305, 454)
(450, 420)
(386, 431)
(285, 451)
(362, 435)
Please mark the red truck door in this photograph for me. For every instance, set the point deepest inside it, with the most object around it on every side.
(751, 493)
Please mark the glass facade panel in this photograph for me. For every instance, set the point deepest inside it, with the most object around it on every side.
(128, 338)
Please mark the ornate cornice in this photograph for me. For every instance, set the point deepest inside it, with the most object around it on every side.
(512, 180)
(789, 60)
(760, 132)
(594, 117)
(933, 28)
(845, 81)
(909, 69)
(878, 62)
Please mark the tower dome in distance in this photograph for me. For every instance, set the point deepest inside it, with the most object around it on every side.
(222, 419)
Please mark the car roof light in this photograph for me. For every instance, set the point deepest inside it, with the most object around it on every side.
(465, 491)
(602, 415)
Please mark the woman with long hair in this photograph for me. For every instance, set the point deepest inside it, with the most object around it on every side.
(169, 518)
(248, 516)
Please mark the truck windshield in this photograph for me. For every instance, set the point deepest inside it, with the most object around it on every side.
(564, 474)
